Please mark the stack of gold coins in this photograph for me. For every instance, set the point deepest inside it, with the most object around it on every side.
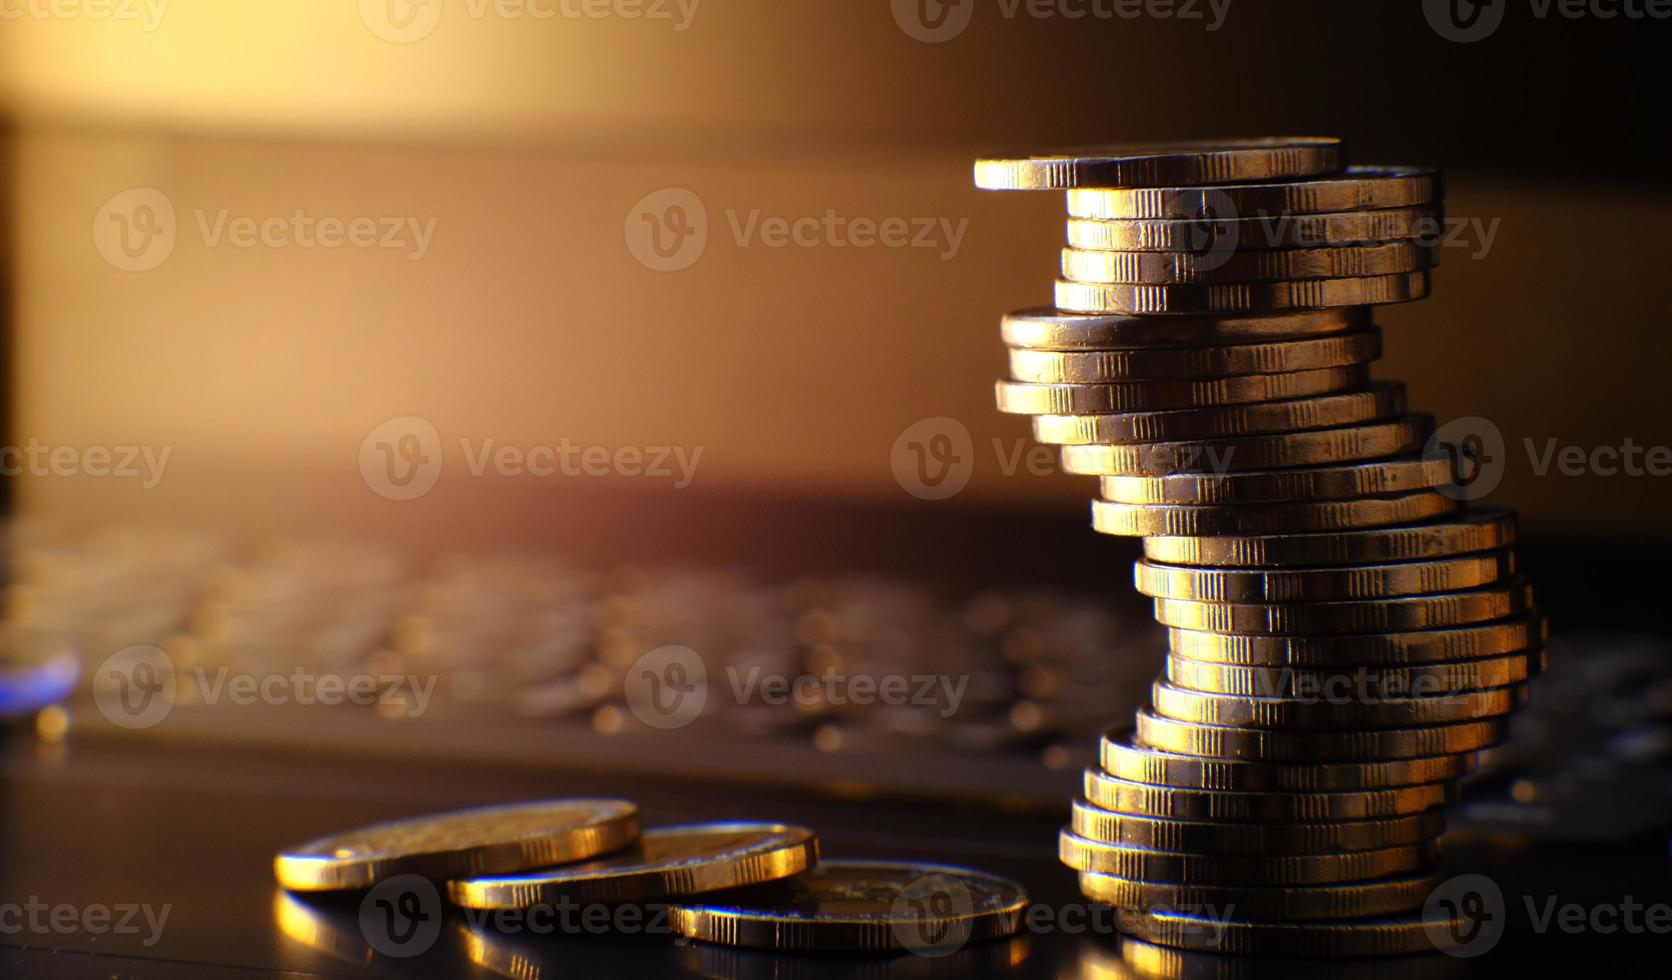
(1344, 633)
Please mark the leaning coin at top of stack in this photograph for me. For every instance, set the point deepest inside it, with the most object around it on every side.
(1304, 536)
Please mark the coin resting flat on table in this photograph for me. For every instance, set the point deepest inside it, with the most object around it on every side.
(1159, 164)
(1047, 328)
(666, 862)
(868, 906)
(1056, 398)
(483, 840)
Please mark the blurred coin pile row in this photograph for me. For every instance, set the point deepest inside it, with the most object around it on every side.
(524, 636)
(1344, 635)
(572, 866)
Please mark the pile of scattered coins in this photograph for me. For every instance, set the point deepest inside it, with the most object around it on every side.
(1344, 633)
(743, 884)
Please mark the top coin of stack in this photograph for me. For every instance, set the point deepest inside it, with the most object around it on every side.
(1344, 633)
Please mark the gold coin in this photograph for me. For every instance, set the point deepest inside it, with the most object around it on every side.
(1228, 264)
(1161, 164)
(1169, 519)
(1272, 869)
(1325, 583)
(1287, 682)
(1345, 482)
(1020, 398)
(1515, 635)
(1357, 189)
(1484, 529)
(1190, 803)
(1228, 742)
(1359, 937)
(1395, 613)
(860, 907)
(483, 840)
(1164, 363)
(1380, 401)
(1314, 447)
(1124, 759)
(1259, 232)
(1046, 328)
(667, 862)
(1240, 297)
(1369, 711)
(1220, 838)
(1336, 901)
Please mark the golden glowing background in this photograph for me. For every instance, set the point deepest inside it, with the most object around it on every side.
(528, 320)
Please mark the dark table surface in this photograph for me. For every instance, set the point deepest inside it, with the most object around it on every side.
(194, 829)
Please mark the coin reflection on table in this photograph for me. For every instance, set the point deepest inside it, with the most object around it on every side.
(736, 963)
(1134, 959)
(328, 925)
